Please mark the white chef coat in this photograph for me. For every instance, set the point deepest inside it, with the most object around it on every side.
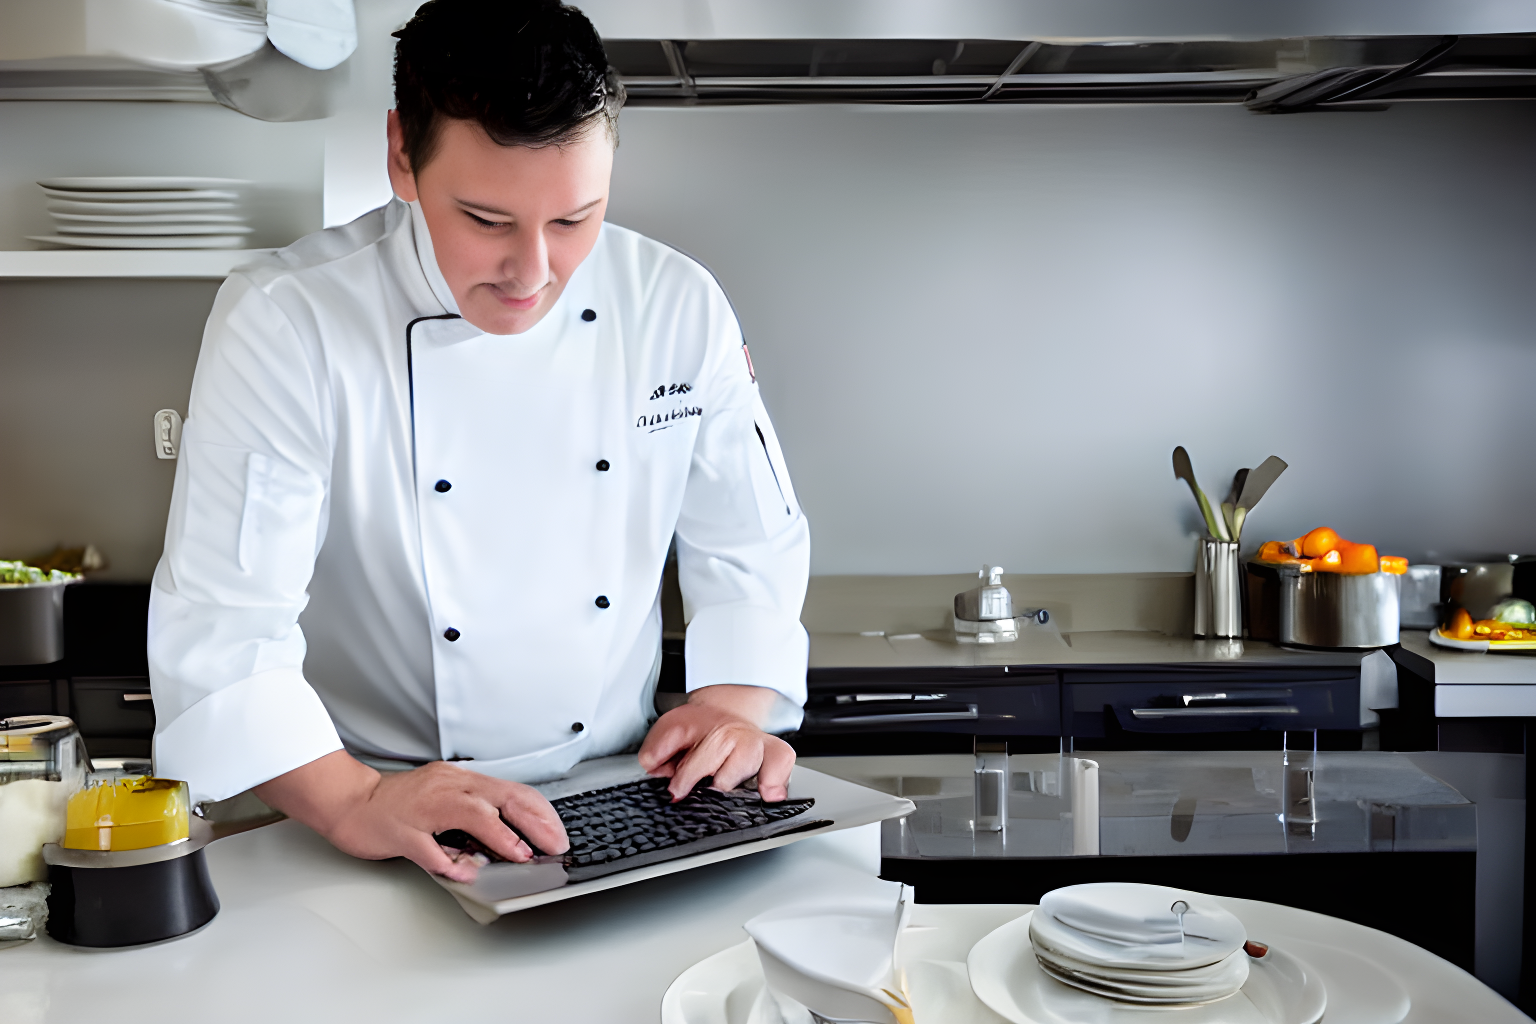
(439, 543)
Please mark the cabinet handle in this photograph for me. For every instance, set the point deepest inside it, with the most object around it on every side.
(1282, 709)
(904, 716)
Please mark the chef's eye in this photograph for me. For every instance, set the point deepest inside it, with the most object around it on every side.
(566, 223)
(486, 223)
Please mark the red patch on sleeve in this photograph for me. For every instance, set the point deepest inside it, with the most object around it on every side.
(750, 372)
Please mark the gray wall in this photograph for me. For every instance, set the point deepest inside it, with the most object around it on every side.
(982, 331)
(83, 366)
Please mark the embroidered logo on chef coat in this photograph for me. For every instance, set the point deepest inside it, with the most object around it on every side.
(668, 390)
(662, 420)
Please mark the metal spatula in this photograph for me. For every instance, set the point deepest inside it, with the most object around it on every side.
(1184, 470)
(1253, 487)
(1259, 481)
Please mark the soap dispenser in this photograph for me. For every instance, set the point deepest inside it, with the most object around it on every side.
(984, 614)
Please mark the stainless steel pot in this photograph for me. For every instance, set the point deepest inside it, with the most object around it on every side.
(1321, 609)
(32, 622)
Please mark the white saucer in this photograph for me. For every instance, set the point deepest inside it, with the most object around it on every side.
(144, 242)
(138, 183)
(129, 198)
(146, 218)
(58, 206)
(152, 230)
(728, 988)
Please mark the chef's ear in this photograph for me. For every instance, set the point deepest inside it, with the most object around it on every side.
(402, 180)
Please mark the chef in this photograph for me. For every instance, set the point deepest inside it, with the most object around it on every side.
(433, 464)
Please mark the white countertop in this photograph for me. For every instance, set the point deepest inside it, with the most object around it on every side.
(308, 934)
(1472, 684)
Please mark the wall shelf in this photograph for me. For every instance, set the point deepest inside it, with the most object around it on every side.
(210, 264)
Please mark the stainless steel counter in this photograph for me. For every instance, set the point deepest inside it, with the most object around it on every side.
(1100, 647)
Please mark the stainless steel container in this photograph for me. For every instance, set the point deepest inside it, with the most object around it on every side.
(1218, 590)
(31, 623)
(1322, 609)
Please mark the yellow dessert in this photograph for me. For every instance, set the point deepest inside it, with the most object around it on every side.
(127, 814)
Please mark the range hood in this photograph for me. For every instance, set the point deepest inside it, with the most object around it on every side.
(267, 58)
(1270, 75)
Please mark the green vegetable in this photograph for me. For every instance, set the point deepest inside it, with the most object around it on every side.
(1513, 610)
(21, 572)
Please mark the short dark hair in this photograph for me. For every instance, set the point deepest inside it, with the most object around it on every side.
(530, 72)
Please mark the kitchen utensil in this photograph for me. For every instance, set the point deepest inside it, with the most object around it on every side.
(1218, 594)
(42, 764)
(984, 614)
(1184, 470)
(1229, 508)
(1259, 481)
(1321, 609)
(32, 622)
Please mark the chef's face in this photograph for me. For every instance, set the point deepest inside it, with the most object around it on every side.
(509, 224)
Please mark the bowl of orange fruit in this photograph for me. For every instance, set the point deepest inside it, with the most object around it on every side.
(1321, 590)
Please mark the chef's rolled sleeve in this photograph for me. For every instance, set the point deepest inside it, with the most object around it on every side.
(225, 649)
(743, 544)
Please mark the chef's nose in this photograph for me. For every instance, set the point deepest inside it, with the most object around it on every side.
(526, 262)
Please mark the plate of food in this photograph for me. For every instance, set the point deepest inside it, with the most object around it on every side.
(1509, 629)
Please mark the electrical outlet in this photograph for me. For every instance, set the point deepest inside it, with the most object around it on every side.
(167, 434)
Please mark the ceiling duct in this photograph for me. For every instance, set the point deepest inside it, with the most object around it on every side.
(1278, 75)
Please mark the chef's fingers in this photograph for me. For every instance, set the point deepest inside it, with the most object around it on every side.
(740, 764)
(488, 827)
(703, 760)
(668, 739)
(535, 818)
(422, 849)
(773, 776)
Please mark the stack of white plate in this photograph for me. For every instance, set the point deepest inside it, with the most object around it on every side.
(1137, 943)
(145, 213)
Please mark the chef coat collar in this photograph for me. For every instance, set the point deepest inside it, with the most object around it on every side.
(428, 257)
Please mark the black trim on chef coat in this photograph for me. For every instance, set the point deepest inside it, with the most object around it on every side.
(410, 377)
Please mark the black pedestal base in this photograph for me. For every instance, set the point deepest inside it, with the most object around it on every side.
(130, 906)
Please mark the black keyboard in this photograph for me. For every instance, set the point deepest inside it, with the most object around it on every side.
(635, 824)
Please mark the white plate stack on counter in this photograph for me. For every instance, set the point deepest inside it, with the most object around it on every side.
(145, 213)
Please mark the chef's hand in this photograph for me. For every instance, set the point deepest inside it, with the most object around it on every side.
(718, 733)
(375, 816)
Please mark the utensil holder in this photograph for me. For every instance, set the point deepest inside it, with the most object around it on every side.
(1218, 590)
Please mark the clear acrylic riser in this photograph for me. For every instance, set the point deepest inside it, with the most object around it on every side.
(1174, 803)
